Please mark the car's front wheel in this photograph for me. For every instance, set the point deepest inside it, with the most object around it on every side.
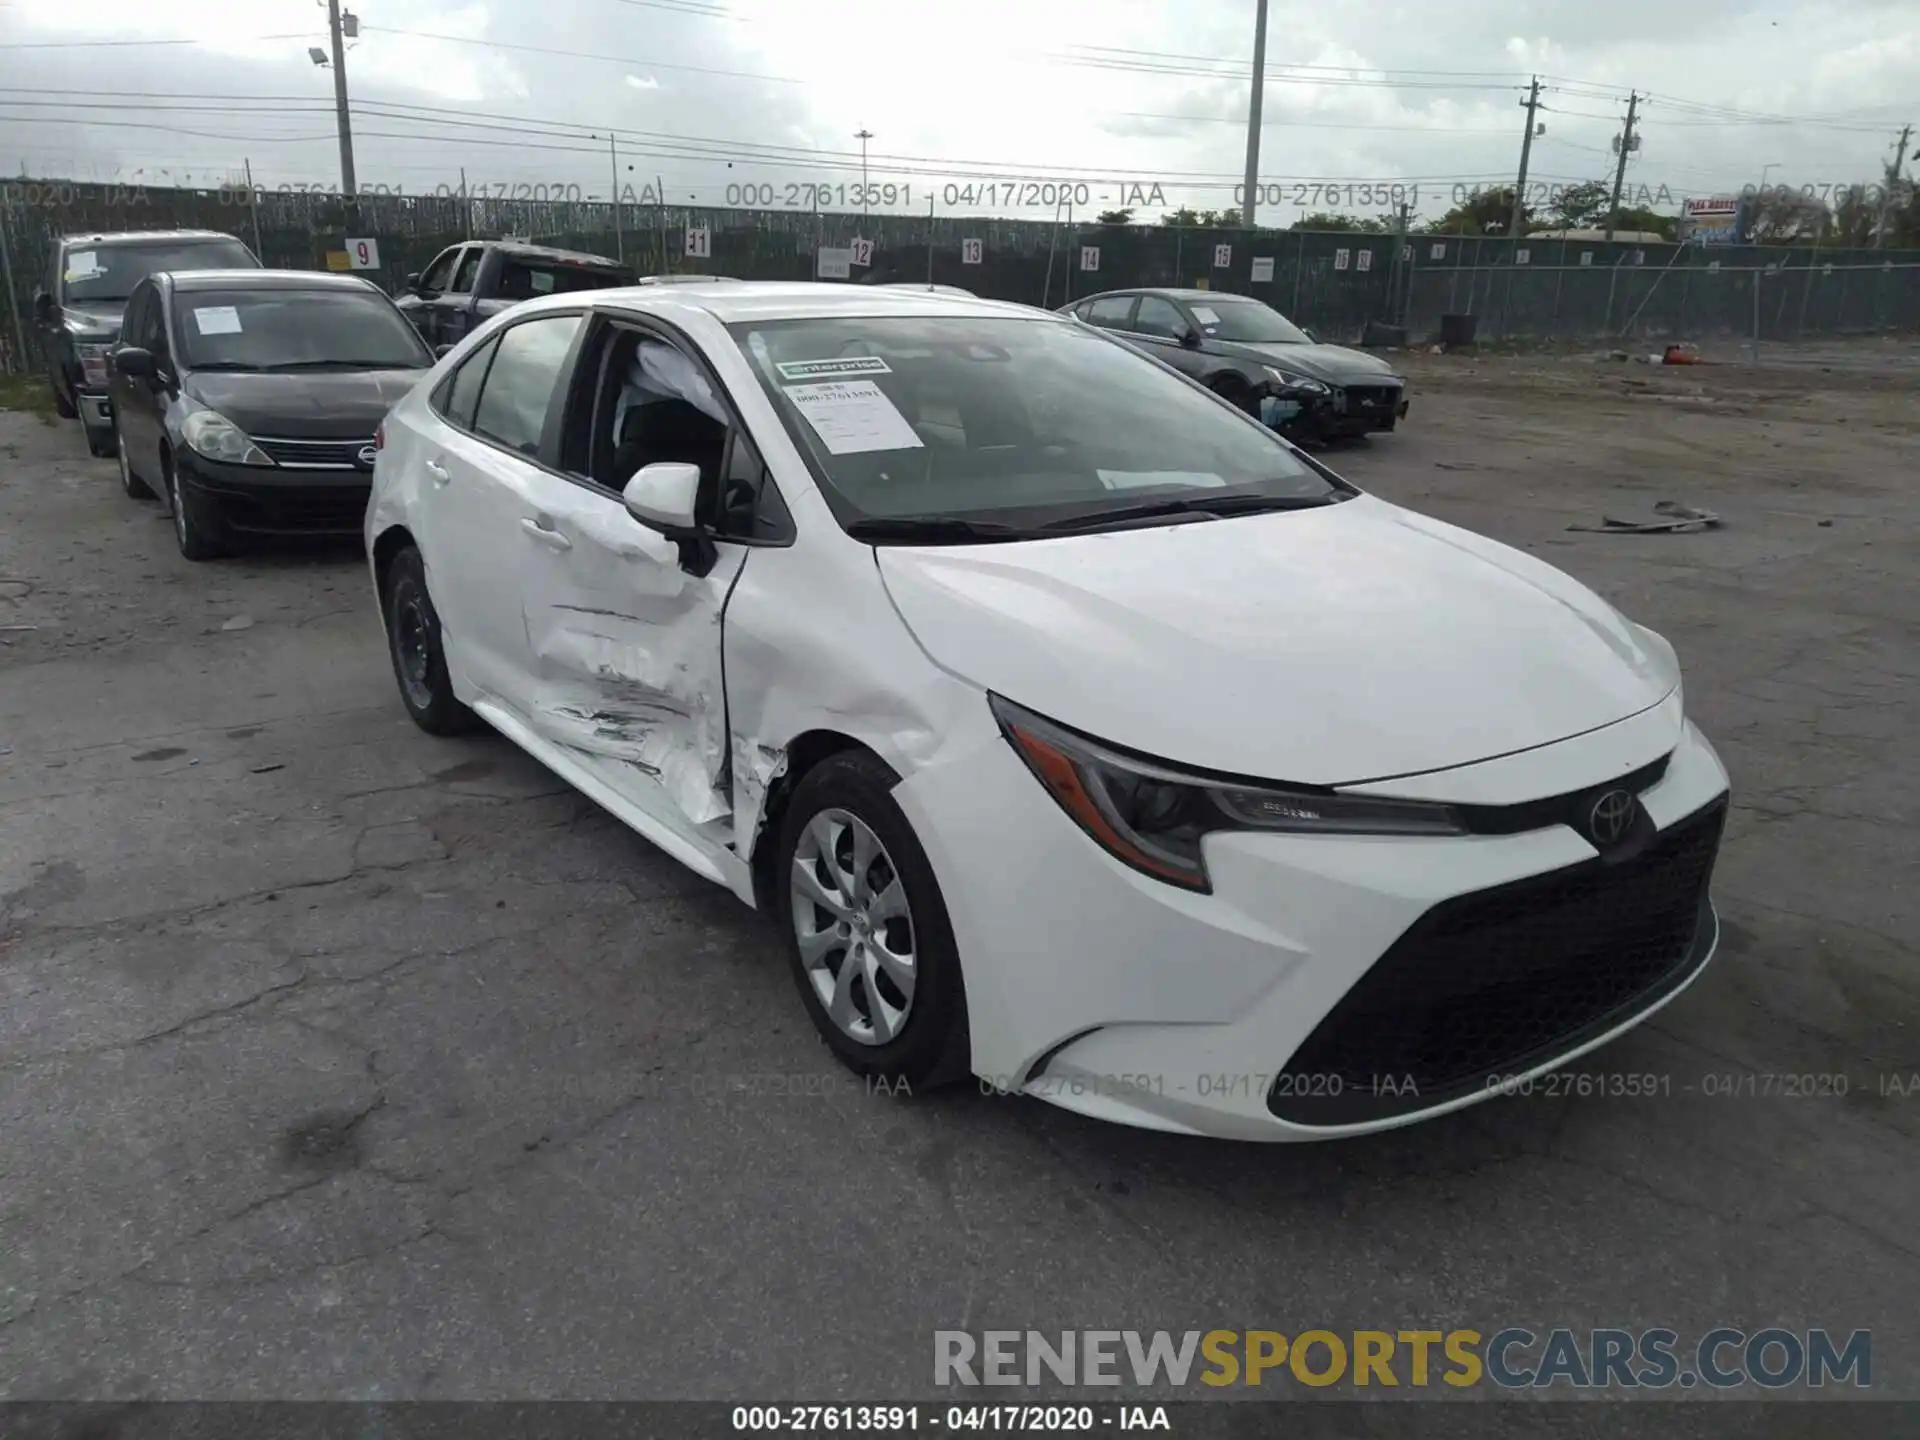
(129, 482)
(196, 528)
(419, 659)
(867, 930)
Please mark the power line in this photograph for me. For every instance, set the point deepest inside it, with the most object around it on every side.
(626, 60)
(129, 44)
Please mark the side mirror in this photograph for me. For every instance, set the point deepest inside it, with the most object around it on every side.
(43, 306)
(661, 497)
(412, 282)
(1190, 338)
(1310, 335)
(441, 351)
(134, 363)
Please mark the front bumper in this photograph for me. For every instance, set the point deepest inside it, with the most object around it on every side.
(261, 500)
(1343, 413)
(1103, 991)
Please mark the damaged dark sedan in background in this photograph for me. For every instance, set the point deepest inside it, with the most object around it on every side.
(1249, 353)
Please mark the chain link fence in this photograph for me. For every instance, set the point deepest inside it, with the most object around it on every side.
(1335, 284)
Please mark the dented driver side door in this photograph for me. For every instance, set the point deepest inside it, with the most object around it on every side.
(624, 635)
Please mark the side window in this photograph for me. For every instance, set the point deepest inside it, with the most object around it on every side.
(440, 273)
(133, 321)
(1111, 313)
(519, 387)
(469, 268)
(751, 507)
(458, 393)
(1159, 317)
(152, 334)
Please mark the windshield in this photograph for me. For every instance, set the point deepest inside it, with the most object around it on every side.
(96, 274)
(524, 279)
(1012, 420)
(1247, 321)
(295, 329)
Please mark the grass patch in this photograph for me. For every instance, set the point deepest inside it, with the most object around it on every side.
(28, 394)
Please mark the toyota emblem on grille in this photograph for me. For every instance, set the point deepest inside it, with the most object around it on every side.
(366, 456)
(1612, 813)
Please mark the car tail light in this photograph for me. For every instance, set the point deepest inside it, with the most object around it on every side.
(380, 436)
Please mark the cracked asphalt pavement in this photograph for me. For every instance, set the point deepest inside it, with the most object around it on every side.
(337, 1061)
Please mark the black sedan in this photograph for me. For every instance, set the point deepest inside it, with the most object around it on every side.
(1251, 354)
(249, 399)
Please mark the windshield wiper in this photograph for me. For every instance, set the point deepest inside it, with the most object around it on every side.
(1208, 507)
(341, 365)
(236, 365)
(934, 530)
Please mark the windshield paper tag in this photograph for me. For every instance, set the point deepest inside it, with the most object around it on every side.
(853, 417)
(827, 369)
(217, 320)
(83, 265)
(1206, 315)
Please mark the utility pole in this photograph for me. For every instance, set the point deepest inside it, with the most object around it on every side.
(1894, 167)
(613, 164)
(347, 186)
(1516, 227)
(1252, 192)
(866, 206)
(1620, 171)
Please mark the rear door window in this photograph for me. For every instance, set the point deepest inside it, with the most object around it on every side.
(1110, 313)
(460, 392)
(527, 364)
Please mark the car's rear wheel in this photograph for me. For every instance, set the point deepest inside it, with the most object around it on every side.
(129, 482)
(196, 528)
(419, 659)
(867, 930)
(99, 440)
(1235, 391)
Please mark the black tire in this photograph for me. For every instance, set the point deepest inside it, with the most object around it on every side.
(196, 526)
(421, 674)
(99, 442)
(1235, 391)
(135, 487)
(932, 1047)
(62, 402)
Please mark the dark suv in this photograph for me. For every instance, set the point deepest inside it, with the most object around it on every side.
(78, 310)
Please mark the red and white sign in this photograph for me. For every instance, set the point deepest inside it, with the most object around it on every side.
(363, 254)
(863, 252)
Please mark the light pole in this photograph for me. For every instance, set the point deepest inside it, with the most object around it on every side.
(863, 135)
(1253, 114)
(334, 26)
(613, 164)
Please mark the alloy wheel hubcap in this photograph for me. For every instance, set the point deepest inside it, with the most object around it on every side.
(854, 927)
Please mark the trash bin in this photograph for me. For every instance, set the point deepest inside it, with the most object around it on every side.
(1458, 329)
(1378, 336)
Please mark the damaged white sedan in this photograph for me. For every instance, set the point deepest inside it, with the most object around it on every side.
(1080, 734)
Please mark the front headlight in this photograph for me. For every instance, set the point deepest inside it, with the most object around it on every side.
(1153, 818)
(1305, 383)
(93, 362)
(213, 435)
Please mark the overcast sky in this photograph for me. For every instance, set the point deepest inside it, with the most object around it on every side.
(718, 93)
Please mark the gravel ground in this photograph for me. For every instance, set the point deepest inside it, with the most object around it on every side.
(340, 1062)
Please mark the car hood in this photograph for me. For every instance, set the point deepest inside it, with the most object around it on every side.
(94, 320)
(319, 405)
(1333, 363)
(1331, 646)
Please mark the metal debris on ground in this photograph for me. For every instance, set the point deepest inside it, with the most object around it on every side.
(267, 769)
(1680, 518)
(239, 622)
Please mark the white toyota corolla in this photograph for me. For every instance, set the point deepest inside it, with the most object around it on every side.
(1080, 733)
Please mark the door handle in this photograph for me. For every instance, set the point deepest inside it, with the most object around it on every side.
(546, 535)
(441, 475)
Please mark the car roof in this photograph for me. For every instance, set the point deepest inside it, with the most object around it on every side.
(191, 280)
(548, 252)
(730, 301)
(135, 237)
(1165, 292)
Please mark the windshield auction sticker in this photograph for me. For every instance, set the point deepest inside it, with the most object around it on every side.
(853, 417)
(217, 320)
(827, 369)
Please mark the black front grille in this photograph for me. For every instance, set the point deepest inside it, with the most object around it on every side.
(1491, 984)
(1381, 400)
(332, 454)
(335, 510)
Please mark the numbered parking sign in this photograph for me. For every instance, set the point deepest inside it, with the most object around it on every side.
(1223, 257)
(1340, 258)
(1089, 257)
(1364, 260)
(971, 251)
(363, 254)
(699, 242)
(1522, 255)
(1586, 257)
(1439, 251)
(863, 252)
(1263, 270)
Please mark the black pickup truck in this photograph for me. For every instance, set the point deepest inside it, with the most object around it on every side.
(470, 283)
